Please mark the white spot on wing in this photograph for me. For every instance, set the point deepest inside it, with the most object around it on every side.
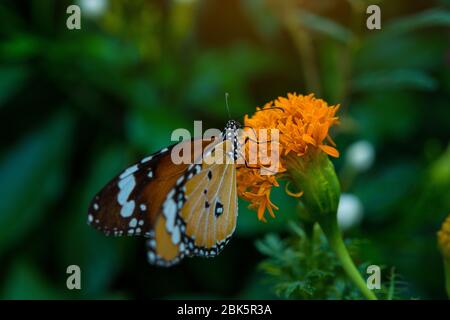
(126, 186)
(170, 209)
(133, 223)
(146, 159)
(127, 209)
(171, 193)
(129, 171)
(151, 256)
(176, 235)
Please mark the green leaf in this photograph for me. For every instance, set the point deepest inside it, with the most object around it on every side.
(428, 51)
(426, 19)
(394, 80)
(270, 246)
(33, 175)
(288, 288)
(399, 45)
(325, 26)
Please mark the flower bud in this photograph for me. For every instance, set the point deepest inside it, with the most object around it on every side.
(316, 177)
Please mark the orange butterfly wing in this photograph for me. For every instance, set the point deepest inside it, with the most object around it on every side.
(199, 213)
(183, 209)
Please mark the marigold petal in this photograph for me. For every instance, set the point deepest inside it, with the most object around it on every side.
(329, 150)
(290, 193)
(261, 210)
(330, 140)
(309, 139)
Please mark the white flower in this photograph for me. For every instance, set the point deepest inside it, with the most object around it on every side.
(360, 155)
(93, 8)
(350, 211)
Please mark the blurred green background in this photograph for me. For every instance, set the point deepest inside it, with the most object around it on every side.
(78, 106)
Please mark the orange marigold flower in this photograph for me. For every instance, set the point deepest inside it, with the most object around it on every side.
(303, 123)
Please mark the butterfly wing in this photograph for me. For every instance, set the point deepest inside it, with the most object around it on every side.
(199, 214)
(184, 209)
(130, 203)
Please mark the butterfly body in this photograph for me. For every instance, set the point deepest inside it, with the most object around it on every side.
(187, 209)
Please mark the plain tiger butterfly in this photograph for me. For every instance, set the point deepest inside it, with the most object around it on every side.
(183, 209)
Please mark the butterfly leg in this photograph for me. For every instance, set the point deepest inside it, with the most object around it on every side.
(247, 138)
(256, 167)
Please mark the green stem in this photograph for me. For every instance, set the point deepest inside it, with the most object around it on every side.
(447, 275)
(316, 176)
(333, 234)
(391, 291)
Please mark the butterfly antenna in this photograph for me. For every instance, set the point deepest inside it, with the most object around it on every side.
(226, 103)
(270, 108)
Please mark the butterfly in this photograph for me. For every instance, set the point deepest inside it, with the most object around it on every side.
(182, 209)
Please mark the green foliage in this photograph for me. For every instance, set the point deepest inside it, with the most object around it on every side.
(303, 267)
(396, 79)
(394, 287)
(430, 18)
(325, 26)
